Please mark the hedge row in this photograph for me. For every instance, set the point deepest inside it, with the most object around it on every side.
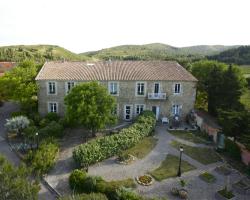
(108, 146)
(115, 190)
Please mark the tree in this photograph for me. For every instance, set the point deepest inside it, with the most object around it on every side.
(15, 182)
(19, 84)
(90, 105)
(233, 84)
(235, 123)
(220, 85)
(17, 124)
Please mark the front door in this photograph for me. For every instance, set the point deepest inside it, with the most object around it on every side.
(156, 111)
(128, 112)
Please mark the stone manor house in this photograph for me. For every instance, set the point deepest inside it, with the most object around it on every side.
(164, 87)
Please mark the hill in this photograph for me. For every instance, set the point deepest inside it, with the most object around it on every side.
(240, 56)
(39, 53)
(156, 51)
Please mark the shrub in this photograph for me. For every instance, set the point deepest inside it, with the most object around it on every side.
(44, 158)
(17, 124)
(90, 184)
(76, 180)
(105, 147)
(127, 194)
(52, 117)
(91, 196)
(18, 113)
(233, 149)
(53, 129)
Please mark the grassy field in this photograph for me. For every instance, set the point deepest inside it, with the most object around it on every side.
(202, 155)
(245, 99)
(143, 148)
(169, 168)
(245, 69)
(188, 135)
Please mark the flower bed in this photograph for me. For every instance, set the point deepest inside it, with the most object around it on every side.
(145, 180)
(104, 147)
(224, 194)
(207, 177)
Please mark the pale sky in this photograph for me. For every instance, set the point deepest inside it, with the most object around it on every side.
(86, 25)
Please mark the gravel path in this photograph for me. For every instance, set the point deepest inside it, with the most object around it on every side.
(111, 170)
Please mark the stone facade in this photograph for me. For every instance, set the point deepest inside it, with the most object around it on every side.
(127, 95)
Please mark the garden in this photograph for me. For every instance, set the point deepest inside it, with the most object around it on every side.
(36, 140)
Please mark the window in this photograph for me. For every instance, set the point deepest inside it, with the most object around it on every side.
(51, 87)
(52, 107)
(177, 88)
(113, 88)
(69, 86)
(140, 90)
(176, 109)
(139, 109)
(157, 88)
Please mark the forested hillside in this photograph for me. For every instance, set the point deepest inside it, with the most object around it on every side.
(39, 53)
(156, 51)
(240, 56)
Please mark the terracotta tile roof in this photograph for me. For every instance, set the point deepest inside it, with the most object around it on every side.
(114, 70)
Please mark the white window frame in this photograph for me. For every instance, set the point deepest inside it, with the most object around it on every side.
(48, 91)
(67, 90)
(124, 112)
(145, 88)
(159, 87)
(180, 89)
(136, 105)
(53, 102)
(109, 87)
(176, 109)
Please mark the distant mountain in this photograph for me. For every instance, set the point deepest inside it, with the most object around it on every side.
(240, 56)
(156, 51)
(39, 53)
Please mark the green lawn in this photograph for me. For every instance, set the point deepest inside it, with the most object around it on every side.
(189, 136)
(245, 99)
(142, 148)
(207, 177)
(202, 155)
(169, 168)
(245, 69)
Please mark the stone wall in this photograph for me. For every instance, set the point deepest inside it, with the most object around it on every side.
(127, 96)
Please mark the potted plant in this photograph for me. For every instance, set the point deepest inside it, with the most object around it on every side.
(183, 193)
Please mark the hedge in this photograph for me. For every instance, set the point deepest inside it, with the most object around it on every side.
(104, 147)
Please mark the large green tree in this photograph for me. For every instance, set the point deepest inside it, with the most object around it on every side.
(219, 87)
(15, 184)
(90, 105)
(19, 84)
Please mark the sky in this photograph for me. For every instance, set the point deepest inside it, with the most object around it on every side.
(87, 25)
